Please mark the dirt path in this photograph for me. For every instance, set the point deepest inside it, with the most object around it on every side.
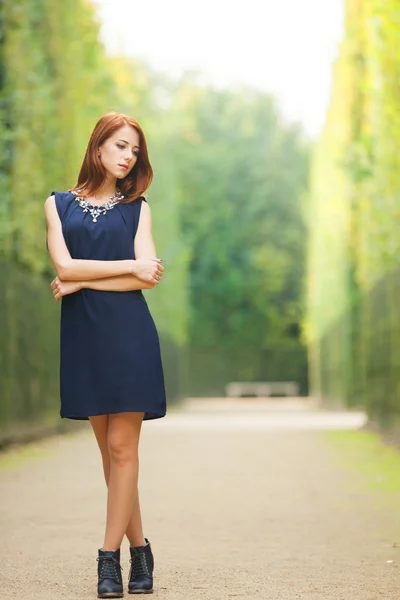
(236, 505)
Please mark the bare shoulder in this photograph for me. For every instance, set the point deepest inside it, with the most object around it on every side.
(50, 209)
(144, 224)
(145, 213)
(145, 208)
(49, 203)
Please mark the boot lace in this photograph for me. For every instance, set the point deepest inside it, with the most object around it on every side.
(139, 565)
(109, 568)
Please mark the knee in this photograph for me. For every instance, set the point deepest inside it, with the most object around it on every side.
(121, 451)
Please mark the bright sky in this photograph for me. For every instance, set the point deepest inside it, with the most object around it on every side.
(283, 46)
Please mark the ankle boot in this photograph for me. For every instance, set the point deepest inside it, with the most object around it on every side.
(109, 574)
(141, 573)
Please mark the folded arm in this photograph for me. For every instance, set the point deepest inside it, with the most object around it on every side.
(72, 269)
(143, 246)
(119, 283)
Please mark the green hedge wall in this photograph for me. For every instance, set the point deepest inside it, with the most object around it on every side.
(354, 251)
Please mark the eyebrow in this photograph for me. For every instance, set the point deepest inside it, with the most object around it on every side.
(120, 140)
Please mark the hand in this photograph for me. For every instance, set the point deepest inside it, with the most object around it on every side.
(63, 288)
(148, 269)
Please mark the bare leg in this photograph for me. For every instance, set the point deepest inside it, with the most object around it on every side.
(134, 529)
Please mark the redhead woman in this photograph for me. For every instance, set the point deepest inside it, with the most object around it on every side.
(100, 241)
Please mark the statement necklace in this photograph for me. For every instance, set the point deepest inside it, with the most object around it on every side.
(96, 211)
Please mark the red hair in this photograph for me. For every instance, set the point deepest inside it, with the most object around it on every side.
(92, 173)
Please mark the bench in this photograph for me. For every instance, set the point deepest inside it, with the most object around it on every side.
(237, 389)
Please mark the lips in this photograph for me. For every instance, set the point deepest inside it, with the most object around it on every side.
(124, 167)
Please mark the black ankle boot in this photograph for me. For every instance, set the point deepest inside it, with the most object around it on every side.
(109, 574)
(141, 573)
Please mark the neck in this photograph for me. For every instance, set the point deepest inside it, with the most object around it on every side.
(107, 188)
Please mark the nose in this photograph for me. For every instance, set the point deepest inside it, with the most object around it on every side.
(128, 157)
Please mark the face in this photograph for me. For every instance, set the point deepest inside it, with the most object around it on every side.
(118, 154)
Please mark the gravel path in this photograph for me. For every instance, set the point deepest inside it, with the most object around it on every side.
(239, 504)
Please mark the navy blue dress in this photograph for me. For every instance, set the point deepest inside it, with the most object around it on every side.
(110, 351)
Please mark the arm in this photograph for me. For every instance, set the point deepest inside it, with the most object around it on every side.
(119, 283)
(71, 269)
(143, 243)
(76, 269)
(144, 246)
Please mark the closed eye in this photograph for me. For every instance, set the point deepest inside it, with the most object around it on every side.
(121, 147)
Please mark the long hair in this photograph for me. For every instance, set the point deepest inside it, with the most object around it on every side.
(93, 174)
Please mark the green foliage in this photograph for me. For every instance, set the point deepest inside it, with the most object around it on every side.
(352, 324)
(243, 175)
(29, 351)
(56, 82)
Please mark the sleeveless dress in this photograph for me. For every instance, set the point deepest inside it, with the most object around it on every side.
(110, 359)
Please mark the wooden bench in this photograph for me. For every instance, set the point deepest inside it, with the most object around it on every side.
(237, 389)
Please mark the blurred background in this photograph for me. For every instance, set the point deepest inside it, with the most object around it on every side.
(273, 130)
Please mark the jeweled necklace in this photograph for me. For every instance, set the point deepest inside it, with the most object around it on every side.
(96, 211)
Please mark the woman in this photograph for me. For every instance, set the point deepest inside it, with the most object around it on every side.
(100, 242)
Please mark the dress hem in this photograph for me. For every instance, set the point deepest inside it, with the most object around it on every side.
(148, 416)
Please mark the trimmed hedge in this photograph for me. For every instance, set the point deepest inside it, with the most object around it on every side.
(354, 252)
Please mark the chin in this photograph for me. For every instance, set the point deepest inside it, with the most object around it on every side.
(120, 176)
(117, 175)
